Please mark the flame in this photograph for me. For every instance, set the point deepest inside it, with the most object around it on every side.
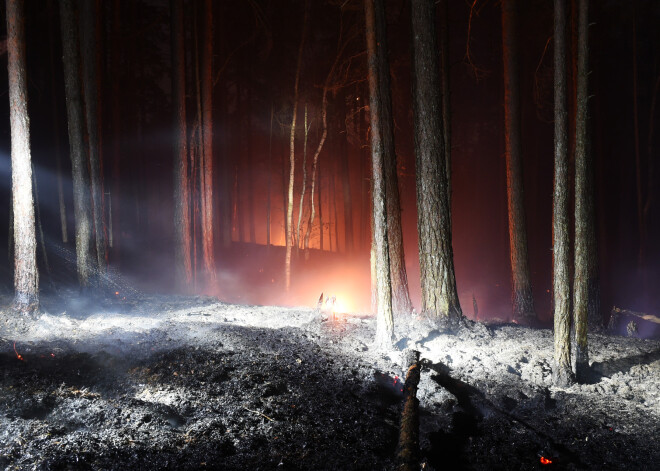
(343, 305)
(545, 460)
(18, 355)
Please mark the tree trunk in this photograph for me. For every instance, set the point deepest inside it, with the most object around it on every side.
(206, 169)
(304, 182)
(446, 95)
(76, 123)
(270, 177)
(182, 242)
(384, 315)
(26, 276)
(562, 374)
(436, 258)
(345, 179)
(292, 155)
(90, 73)
(117, 134)
(401, 303)
(585, 291)
(56, 132)
(523, 302)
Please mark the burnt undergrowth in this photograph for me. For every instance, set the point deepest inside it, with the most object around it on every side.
(259, 400)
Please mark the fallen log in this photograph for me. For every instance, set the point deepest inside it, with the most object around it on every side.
(408, 448)
(616, 312)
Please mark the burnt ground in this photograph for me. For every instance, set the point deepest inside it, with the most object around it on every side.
(164, 382)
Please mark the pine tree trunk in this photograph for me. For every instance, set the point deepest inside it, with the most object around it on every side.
(182, 243)
(292, 156)
(89, 49)
(117, 134)
(523, 302)
(446, 95)
(345, 178)
(206, 170)
(26, 276)
(56, 131)
(304, 182)
(401, 303)
(76, 123)
(436, 258)
(269, 176)
(562, 374)
(586, 280)
(384, 315)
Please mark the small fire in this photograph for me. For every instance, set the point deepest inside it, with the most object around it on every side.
(18, 355)
(545, 460)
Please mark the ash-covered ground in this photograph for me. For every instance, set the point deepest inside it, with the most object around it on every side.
(164, 382)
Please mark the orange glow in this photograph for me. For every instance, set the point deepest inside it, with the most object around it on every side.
(18, 355)
(343, 305)
(116, 293)
(545, 460)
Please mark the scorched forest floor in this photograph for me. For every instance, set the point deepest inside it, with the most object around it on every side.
(164, 382)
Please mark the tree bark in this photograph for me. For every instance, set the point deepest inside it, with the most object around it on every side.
(56, 132)
(585, 291)
(270, 177)
(304, 182)
(26, 276)
(89, 47)
(523, 302)
(436, 258)
(562, 374)
(206, 169)
(76, 123)
(347, 197)
(292, 155)
(384, 316)
(182, 242)
(401, 303)
(446, 95)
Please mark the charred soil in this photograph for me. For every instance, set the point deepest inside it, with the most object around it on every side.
(163, 382)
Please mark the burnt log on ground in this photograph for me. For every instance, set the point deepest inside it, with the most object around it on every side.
(408, 449)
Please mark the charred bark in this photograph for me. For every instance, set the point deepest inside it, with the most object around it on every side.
(562, 374)
(76, 124)
(381, 256)
(439, 294)
(408, 448)
(523, 302)
(89, 48)
(401, 303)
(585, 291)
(26, 276)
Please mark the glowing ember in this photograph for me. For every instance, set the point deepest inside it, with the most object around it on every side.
(545, 460)
(18, 355)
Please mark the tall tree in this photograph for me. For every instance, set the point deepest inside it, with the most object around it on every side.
(446, 95)
(76, 125)
(401, 303)
(562, 374)
(585, 289)
(292, 155)
(90, 50)
(381, 256)
(56, 130)
(26, 276)
(436, 258)
(523, 303)
(182, 262)
(206, 167)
